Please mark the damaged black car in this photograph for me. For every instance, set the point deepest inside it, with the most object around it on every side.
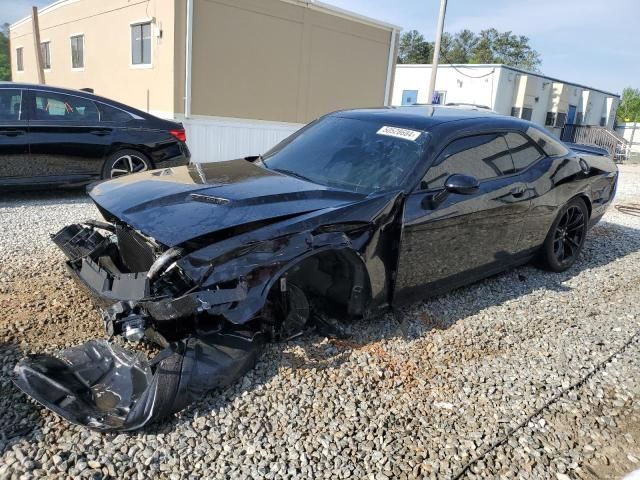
(358, 212)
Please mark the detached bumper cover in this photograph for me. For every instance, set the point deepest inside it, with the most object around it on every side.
(82, 246)
(104, 387)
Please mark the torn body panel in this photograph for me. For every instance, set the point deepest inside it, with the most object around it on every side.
(107, 388)
(191, 293)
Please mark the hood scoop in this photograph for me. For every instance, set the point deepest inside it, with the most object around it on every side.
(199, 197)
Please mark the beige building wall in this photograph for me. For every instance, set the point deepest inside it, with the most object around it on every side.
(106, 26)
(283, 61)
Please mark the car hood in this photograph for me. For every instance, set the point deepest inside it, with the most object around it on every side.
(175, 205)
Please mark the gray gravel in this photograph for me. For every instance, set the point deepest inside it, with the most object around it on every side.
(512, 377)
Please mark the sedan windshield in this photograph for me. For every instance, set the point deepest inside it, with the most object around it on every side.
(358, 155)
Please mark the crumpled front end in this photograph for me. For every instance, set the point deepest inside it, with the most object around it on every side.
(210, 307)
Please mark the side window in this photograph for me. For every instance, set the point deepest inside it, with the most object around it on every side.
(483, 156)
(549, 144)
(523, 152)
(111, 114)
(59, 107)
(10, 104)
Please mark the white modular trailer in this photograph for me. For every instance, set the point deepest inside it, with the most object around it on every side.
(510, 91)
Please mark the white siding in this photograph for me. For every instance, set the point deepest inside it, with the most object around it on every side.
(458, 87)
(631, 132)
(213, 139)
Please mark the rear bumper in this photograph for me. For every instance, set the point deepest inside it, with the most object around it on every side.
(173, 155)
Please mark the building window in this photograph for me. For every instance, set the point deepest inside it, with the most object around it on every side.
(45, 51)
(19, 59)
(515, 112)
(603, 121)
(550, 120)
(141, 44)
(561, 119)
(409, 97)
(77, 51)
(579, 118)
(527, 113)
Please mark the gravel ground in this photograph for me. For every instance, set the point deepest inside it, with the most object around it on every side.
(525, 375)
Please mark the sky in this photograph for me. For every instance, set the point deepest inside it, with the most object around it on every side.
(591, 42)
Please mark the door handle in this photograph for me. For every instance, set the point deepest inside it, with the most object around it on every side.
(12, 133)
(99, 133)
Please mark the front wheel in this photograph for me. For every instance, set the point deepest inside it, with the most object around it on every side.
(125, 162)
(565, 240)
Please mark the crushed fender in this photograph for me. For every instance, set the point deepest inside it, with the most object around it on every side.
(210, 302)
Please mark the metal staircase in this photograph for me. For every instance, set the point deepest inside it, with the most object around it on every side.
(618, 147)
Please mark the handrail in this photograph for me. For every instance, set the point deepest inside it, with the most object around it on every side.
(617, 146)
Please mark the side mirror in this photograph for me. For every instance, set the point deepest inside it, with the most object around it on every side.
(461, 184)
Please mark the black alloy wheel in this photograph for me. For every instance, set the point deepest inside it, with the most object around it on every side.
(569, 234)
(566, 237)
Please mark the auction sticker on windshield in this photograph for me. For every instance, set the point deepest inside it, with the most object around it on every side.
(404, 133)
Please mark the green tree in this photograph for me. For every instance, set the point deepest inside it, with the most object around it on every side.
(414, 48)
(493, 46)
(5, 62)
(488, 46)
(629, 108)
(458, 48)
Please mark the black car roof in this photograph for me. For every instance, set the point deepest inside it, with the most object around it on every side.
(79, 93)
(428, 116)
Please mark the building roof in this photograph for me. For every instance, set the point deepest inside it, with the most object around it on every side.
(456, 66)
(313, 4)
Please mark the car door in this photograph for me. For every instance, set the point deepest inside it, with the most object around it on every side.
(537, 171)
(456, 238)
(67, 140)
(14, 146)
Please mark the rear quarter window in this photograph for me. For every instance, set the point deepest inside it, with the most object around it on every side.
(112, 114)
(549, 145)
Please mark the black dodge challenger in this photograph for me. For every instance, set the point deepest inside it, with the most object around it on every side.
(357, 212)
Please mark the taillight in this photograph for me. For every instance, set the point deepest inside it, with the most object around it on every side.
(180, 134)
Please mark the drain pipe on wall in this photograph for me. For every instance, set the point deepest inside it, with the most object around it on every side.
(188, 59)
(390, 68)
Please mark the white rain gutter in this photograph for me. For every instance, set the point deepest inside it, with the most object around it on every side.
(188, 60)
(391, 62)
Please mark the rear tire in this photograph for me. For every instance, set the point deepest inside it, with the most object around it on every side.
(566, 237)
(125, 162)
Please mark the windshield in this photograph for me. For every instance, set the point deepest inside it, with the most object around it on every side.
(358, 155)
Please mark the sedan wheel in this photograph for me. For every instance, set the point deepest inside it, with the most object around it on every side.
(566, 238)
(127, 164)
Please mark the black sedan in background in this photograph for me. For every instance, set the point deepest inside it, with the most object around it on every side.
(56, 137)
(358, 211)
